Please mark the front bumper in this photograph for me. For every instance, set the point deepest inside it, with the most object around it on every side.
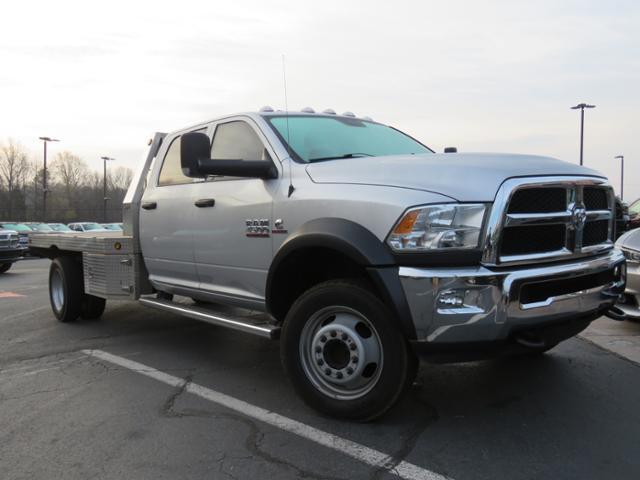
(463, 305)
(11, 254)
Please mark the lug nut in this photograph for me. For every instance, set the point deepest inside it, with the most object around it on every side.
(327, 371)
(333, 333)
(323, 339)
(349, 371)
(320, 362)
(318, 349)
(339, 375)
(353, 346)
(354, 359)
(344, 337)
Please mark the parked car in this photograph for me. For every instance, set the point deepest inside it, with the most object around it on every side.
(634, 215)
(10, 249)
(39, 227)
(622, 218)
(356, 245)
(87, 227)
(115, 227)
(60, 227)
(23, 232)
(628, 304)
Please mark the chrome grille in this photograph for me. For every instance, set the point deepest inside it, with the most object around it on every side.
(9, 240)
(544, 219)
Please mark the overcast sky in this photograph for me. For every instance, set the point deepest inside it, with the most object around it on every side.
(480, 75)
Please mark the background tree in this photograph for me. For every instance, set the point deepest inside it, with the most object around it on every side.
(75, 191)
(69, 174)
(14, 167)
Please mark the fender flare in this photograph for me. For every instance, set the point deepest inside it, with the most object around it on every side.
(358, 244)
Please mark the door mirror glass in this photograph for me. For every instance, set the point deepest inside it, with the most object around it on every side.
(194, 148)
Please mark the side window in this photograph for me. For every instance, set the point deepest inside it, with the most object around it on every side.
(237, 141)
(171, 172)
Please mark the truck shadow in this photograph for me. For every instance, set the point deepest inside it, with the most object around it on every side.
(570, 413)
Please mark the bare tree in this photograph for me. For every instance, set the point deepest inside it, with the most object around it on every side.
(120, 178)
(14, 166)
(71, 171)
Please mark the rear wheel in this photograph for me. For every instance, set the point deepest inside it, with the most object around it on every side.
(66, 288)
(344, 353)
(4, 267)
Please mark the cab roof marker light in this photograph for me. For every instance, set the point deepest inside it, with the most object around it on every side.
(329, 111)
(308, 110)
(266, 109)
(348, 114)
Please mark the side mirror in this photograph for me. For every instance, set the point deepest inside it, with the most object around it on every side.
(193, 147)
(196, 162)
(450, 150)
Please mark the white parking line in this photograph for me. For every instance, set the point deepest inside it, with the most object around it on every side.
(364, 454)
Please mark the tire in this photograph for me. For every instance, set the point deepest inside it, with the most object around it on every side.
(66, 288)
(344, 353)
(92, 307)
(4, 267)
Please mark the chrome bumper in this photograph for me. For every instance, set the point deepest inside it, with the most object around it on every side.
(478, 304)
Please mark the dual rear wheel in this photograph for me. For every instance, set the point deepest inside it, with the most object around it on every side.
(66, 292)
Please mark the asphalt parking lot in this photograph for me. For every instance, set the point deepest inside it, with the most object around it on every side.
(141, 394)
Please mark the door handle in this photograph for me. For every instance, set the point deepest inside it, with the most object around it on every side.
(149, 205)
(205, 202)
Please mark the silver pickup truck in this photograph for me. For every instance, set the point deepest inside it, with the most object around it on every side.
(357, 246)
(10, 249)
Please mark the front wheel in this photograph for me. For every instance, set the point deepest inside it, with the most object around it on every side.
(344, 353)
(4, 267)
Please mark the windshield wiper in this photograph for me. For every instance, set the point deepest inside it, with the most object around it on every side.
(336, 157)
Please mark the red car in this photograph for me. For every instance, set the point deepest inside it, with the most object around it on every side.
(634, 215)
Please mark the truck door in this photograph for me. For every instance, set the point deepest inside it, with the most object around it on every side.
(232, 224)
(166, 217)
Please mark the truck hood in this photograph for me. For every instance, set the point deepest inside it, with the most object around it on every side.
(465, 177)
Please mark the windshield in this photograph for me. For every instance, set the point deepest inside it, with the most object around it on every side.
(60, 227)
(42, 227)
(318, 138)
(92, 226)
(112, 226)
(18, 227)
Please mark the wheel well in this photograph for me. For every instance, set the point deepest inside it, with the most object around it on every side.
(304, 268)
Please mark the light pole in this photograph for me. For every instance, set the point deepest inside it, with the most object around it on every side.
(621, 157)
(582, 106)
(45, 140)
(104, 187)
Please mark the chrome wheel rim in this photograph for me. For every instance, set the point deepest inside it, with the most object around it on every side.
(341, 353)
(57, 291)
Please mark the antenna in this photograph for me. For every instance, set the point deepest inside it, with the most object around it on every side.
(286, 114)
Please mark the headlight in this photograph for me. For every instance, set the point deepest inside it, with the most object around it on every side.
(438, 227)
(631, 255)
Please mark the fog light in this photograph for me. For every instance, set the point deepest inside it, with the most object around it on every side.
(451, 298)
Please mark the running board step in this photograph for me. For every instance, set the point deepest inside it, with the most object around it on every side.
(256, 324)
